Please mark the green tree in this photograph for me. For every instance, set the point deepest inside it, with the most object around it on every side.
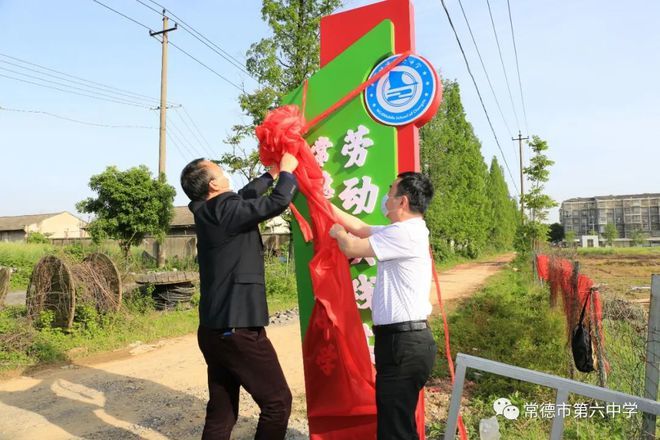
(279, 63)
(451, 155)
(638, 238)
(503, 212)
(570, 237)
(129, 205)
(533, 232)
(611, 233)
(556, 233)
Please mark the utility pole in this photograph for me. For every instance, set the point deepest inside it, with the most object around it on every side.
(163, 94)
(522, 189)
(160, 254)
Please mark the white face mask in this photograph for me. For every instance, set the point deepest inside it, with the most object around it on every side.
(229, 181)
(383, 205)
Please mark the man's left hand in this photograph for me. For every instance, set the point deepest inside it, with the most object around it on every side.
(336, 229)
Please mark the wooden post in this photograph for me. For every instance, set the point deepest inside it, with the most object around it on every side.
(5, 274)
(652, 358)
(162, 138)
(574, 307)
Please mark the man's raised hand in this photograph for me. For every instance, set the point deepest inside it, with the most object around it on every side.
(288, 163)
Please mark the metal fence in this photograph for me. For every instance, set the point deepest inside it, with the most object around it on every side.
(563, 386)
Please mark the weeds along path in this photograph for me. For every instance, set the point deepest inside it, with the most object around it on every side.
(158, 391)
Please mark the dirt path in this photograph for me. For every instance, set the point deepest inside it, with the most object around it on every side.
(465, 279)
(158, 391)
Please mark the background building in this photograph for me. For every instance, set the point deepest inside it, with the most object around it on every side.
(57, 225)
(629, 213)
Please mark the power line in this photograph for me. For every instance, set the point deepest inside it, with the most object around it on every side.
(175, 137)
(203, 147)
(123, 15)
(75, 77)
(499, 50)
(178, 149)
(467, 64)
(77, 121)
(515, 51)
(186, 142)
(192, 121)
(198, 61)
(72, 92)
(151, 7)
(170, 43)
(121, 99)
(199, 36)
(483, 66)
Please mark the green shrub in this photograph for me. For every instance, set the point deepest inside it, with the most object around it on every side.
(140, 300)
(37, 238)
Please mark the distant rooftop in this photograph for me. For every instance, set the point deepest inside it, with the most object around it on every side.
(18, 222)
(610, 197)
(182, 217)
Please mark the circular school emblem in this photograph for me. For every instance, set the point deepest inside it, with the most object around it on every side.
(403, 95)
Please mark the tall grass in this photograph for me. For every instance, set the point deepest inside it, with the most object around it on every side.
(22, 257)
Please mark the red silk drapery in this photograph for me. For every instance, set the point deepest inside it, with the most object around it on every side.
(340, 378)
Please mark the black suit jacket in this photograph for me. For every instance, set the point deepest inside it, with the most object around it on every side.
(230, 251)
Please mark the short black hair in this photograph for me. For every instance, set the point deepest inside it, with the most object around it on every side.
(418, 188)
(195, 180)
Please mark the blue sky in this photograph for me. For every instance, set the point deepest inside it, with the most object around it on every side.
(589, 74)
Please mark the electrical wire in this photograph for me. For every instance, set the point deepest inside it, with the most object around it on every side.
(124, 100)
(188, 28)
(184, 139)
(192, 121)
(178, 149)
(128, 92)
(483, 66)
(483, 106)
(201, 63)
(499, 50)
(72, 92)
(170, 43)
(194, 135)
(77, 121)
(123, 15)
(515, 51)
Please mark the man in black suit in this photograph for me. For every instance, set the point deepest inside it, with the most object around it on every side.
(232, 309)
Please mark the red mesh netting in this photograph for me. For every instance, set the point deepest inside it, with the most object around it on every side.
(574, 289)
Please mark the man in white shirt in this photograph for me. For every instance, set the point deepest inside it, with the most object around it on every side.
(405, 349)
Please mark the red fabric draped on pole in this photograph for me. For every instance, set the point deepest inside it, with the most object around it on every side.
(340, 377)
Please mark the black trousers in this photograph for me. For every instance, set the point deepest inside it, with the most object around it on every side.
(404, 362)
(244, 357)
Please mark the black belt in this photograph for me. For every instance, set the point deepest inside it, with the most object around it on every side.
(400, 327)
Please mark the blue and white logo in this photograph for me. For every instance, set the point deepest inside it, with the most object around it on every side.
(404, 94)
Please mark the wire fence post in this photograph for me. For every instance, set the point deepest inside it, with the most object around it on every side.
(573, 307)
(652, 358)
(600, 356)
